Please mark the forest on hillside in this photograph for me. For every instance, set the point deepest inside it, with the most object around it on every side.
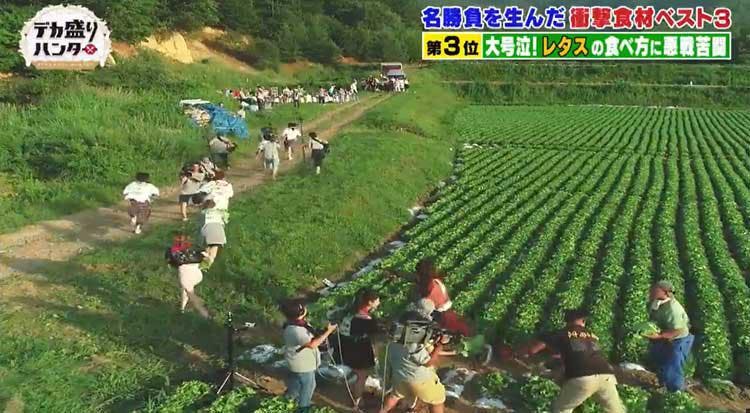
(284, 30)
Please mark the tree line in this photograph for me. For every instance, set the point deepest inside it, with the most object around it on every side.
(283, 30)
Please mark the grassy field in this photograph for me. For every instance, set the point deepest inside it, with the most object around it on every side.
(71, 141)
(102, 332)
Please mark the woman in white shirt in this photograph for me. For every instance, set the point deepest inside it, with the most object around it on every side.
(139, 194)
(215, 207)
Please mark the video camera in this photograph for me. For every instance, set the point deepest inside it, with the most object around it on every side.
(415, 329)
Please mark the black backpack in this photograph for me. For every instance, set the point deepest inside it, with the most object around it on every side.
(182, 257)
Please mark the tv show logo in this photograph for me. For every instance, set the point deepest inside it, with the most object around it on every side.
(65, 38)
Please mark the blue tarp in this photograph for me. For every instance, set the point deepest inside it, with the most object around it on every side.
(224, 122)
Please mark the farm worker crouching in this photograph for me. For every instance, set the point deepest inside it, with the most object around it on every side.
(671, 347)
(587, 372)
(353, 345)
(215, 206)
(412, 372)
(139, 194)
(301, 352)
(430, 285)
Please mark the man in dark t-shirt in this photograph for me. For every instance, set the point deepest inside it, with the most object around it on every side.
(587, 372)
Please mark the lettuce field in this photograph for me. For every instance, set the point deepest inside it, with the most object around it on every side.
(557, 207)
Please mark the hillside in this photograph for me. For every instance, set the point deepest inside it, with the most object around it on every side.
(285, 30)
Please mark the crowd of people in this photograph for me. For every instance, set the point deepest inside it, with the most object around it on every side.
(384, 83)
(203, 184)
(410, 367)
(265, 98)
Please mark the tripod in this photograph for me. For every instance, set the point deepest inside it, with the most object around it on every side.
(232, 374)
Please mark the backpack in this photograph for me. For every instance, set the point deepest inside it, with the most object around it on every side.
(182, 257)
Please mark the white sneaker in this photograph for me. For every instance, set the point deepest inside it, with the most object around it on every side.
(185, 219)
(133, 220)
(137, 229)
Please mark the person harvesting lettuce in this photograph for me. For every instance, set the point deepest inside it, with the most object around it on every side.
(670, 347)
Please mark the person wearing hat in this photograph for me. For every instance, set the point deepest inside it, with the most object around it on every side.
(301, 352)
(670, 347)
(587, 372)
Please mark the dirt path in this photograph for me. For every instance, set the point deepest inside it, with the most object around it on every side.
(29, 249)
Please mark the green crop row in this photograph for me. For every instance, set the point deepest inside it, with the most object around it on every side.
(558, 207)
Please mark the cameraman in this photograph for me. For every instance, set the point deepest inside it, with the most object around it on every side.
(412, 371)
(191, 178)
(301, 343)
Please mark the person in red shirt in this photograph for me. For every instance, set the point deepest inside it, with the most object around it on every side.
(430, 286)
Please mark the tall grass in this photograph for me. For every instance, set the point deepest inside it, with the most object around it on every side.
(70, 141)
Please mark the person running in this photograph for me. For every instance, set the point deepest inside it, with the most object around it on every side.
(430, 286)
(208, 168)
(354, 91)
(270, 149)
(290, 135)
(139, 194)
(587, 372)
(670, 348)
(190, 182)
(301, 352)
(318, 149)
(215, 207)
(220, 149)
(353, 346)
(182, 256)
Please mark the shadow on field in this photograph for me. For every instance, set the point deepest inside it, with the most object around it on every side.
(124, 311)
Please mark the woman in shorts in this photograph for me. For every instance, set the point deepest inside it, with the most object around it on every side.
(353, 346)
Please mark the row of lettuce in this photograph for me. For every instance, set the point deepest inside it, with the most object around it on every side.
(198, 396)
(532, 394)
(626, 198)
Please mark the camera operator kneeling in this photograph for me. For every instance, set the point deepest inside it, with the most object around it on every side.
(301, 352)
(412, 371)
